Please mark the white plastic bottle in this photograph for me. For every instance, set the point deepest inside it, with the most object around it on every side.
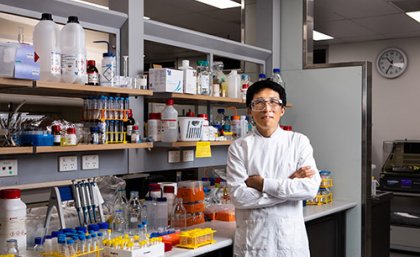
(169, 117)
(12, 218)
(190, 77)
(169, 194)
(109, 70)
(73, 52)
(47, 47)
(234, 83)
(154, 126)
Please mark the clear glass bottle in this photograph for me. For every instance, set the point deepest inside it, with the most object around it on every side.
(276, 77)
(118, 222)
(12, 247)
(134, 212)
(38, 247)
(218, 121)
(203, 79)
(179, 215)
(120, 212)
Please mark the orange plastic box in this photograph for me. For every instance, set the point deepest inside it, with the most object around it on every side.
(194, 207)
(190, 191)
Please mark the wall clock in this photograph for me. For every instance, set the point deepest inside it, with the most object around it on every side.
(391, 63)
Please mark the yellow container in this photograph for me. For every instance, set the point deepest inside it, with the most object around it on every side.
(195, 238)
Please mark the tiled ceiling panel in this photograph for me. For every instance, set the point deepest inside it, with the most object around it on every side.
(358, 8)
(397, 23)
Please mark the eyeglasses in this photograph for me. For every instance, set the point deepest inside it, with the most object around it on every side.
(260, 104)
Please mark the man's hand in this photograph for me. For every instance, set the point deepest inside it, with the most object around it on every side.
(256, 182)
(304, 172)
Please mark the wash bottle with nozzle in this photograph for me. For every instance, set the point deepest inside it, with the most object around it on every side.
(108, 71)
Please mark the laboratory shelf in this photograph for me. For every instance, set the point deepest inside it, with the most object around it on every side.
(16, 150)
(21, 86)
(190, 143)
(81, 147)
(194, 99)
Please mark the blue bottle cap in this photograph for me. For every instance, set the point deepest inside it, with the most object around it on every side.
(38, 240)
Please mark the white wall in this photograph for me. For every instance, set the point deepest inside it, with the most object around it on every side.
(395, 102)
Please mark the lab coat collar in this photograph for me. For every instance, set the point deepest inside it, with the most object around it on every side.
(279, 131)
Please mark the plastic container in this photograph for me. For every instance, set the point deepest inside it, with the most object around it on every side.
(12, 218)
(71, 138)
(205, 129)
(190, 128)
(169, 117)
(191, 191)
(169, 194)
(154, 125)
(236, 126)
(73, 52)
(190, 78)
(109, 70)
(154, 191)
(161, 213)
(47, 47)
(234, 83)
(196, 237)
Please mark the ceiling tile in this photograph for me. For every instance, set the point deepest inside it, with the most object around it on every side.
(323, 14)
(358, 8)
(397, 23)
(342, 29)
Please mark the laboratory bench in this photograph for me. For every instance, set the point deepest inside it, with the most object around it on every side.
(323, 222)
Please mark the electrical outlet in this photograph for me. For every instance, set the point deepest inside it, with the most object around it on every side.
(188, 155)
(90, 162)
(67, 163)
(8, 168)
(174, 156)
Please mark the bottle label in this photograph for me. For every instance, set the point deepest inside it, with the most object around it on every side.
(55, 59)
(93, 78)
(73, 64)
(204, 83)
(169, 124)
(12, 227)
(108, 75)
(57, 139)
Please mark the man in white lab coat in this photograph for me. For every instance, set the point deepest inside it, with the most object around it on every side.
(269, 172)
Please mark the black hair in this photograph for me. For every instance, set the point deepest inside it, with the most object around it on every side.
(260, 85)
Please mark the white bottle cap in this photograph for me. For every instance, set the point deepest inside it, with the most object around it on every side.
(185, 63)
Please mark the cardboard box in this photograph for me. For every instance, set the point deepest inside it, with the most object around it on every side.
(157, 250)
(18, 61)
(166, 80)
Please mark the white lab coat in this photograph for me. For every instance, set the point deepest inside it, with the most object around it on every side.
(270, 223)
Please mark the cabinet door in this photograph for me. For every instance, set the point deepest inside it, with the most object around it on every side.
(327, 236)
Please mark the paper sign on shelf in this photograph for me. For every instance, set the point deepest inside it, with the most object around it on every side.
(202, 150)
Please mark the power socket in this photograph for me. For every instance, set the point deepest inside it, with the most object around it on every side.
(67, 163)
(174, 156)
(90, 162)
(188, 155)
(8, 168)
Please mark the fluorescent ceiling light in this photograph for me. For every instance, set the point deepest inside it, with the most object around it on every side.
(221, 4)
(317, 36)
(146, 18)
(415, 15)
(92, 4)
